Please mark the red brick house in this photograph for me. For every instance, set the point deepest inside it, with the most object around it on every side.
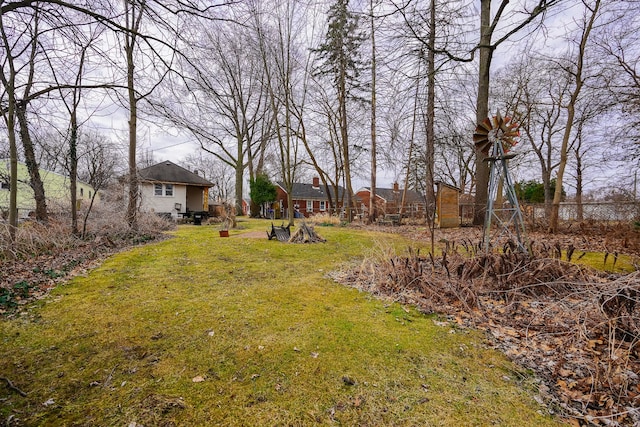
(389, 200)
(308, 199)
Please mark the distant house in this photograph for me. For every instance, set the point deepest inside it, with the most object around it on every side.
(169, 189)
(389, 201)
(56, 188)
(308, 199)
(246, 207)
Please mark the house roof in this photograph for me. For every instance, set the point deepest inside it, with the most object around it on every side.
(389, 194)
(447, 185)
(170, 172)
(22, 170)
(302, 191)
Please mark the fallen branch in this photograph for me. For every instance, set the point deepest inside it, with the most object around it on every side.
(13, 387)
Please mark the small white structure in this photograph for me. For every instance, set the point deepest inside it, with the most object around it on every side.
(169, 189)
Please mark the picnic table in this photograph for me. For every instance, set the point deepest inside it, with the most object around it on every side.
(390, 219)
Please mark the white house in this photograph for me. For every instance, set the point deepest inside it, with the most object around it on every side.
(169, 189)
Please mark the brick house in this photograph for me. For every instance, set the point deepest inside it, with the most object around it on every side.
(389, 200)
(308, 199)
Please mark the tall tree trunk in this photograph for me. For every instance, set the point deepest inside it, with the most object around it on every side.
(571, 112)
(133, 18)
(8, 82)
(239, 170)
(372, 198)
(32, 164)
(579, 187)
(73, 145)
(344, 135)
(13, 164)
(482, 109)
(25, 136)
(73, 171)
(431, 114)
(132, 206)
(413, 133)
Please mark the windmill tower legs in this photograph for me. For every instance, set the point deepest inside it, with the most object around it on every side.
(506, 218)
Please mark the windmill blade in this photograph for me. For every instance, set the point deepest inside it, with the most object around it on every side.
(508, 131)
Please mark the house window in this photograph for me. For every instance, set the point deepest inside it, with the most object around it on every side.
(309, 205)
(323, 205)
(89, 194)
(4, 185)
(163, 190)
(82, 192)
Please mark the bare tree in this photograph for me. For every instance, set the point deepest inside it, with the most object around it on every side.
(591, 10)
(96, 163)
(9, 73)
(226, 108)
(277, 55)
(340, 59)
(81, 45)
(534, 90)
(21, 113)
(486, 48)
(156, 39)
(134, 11)
(593, 108)
(374, 146)
(619, 44)
(495, 30)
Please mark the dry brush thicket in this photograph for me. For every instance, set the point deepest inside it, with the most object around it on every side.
(46, 254)
(577, 328)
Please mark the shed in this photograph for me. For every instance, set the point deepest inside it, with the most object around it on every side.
(447, 205)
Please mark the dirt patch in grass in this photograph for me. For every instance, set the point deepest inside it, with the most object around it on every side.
(155, 410)
(252, 235)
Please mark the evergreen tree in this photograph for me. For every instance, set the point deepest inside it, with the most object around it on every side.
(261, 191)
(340, 59)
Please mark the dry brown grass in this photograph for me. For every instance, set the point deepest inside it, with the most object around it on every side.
(43, 255)
(324, 219)
(577, 327)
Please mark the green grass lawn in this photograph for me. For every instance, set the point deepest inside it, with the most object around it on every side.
(200, 330)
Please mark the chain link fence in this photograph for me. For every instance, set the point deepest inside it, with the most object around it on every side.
(570, 211)
(586, 211)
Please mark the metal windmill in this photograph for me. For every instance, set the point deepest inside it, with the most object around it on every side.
(495, 137)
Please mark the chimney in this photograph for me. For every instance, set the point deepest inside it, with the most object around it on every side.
(316, 182)
(396, 187)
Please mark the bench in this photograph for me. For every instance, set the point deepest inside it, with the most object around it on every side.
(390, 219)
(281, 233)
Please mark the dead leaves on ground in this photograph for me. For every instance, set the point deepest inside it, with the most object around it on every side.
(577, 328)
